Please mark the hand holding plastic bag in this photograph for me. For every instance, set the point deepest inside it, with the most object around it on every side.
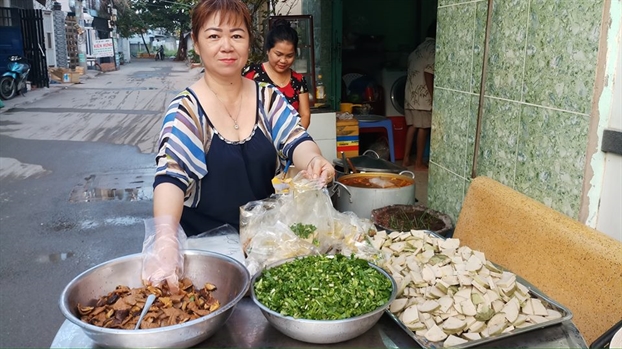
(163, 259)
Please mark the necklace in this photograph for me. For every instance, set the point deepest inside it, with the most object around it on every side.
(284, 82)
(237, 115)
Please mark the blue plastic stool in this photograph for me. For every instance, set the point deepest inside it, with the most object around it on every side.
(388, 125)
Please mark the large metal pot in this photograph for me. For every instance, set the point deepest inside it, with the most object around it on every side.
(370, 161)
(362, 200)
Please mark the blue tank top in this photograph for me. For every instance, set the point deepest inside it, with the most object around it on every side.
(238, 172)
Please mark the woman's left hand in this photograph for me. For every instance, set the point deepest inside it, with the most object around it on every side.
(321, 168)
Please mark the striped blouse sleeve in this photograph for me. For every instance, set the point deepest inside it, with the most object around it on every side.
(181, 154)
(282, 122)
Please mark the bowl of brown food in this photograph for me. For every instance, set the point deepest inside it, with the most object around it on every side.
(106, 301)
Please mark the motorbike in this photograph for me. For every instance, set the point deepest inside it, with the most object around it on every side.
(159, 56)
(14, 80)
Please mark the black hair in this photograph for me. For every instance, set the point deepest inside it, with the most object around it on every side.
(281, 31)
(432, 30)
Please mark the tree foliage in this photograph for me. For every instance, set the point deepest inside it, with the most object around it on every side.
(173, 16)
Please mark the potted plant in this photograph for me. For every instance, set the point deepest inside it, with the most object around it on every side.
(412, 217)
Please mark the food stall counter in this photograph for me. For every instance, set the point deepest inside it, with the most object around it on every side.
(248, 328)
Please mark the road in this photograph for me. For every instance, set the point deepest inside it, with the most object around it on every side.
(76, 167)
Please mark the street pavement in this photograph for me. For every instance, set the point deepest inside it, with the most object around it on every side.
(76, 168)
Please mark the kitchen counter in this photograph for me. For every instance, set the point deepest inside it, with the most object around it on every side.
(248, 328)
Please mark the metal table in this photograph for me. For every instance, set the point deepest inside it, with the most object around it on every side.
(248, 328)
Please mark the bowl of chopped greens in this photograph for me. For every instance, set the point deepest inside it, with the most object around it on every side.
(323, 299)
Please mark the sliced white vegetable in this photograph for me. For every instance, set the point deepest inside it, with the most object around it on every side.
(399, 304)
(398, 246)
(410, 315)
(446, 302)
(428, 306)
(484, 313)
(498, 305)
(377, 242)
(473, 264)
(453, 341)
(528, 308)
(520, 319)
(453, 325)
(537, 319)
(471, 336)
(538, 307)
(417, 326)
(508, 329)
(553, 314)
(497, 319)
(435, 334)
(477, 326)
(465, 280)
(511, 310)
(428, 274)
(422, 332)
(480, 255)
(464, 293)
(492, 267)
(468, 308)
(450, 244)
(507, 280)
(429, 323)
(394, 235)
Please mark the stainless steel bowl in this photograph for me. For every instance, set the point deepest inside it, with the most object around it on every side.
(324, 331)
(230, 277)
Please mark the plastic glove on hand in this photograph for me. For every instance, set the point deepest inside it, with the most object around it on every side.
(163, 259)
(320, 168)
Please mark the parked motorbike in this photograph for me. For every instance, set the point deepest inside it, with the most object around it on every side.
(159, 56)
(14, 80)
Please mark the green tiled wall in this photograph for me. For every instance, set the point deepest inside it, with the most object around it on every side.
(538, 94)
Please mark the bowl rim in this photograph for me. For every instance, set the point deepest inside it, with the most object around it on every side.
(368, 314)
(187, 252)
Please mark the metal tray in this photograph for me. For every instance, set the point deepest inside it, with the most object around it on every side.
(535, 292)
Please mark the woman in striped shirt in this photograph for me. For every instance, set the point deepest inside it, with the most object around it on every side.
(222, 141)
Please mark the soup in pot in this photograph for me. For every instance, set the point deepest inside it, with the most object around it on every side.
(376, 182)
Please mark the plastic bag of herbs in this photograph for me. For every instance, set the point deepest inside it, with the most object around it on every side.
(301, 222)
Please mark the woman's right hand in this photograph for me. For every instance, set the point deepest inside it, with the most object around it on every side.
(162, 253)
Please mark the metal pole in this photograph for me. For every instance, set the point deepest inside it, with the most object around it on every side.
(81, 53)
(482, 88)
(113, 34)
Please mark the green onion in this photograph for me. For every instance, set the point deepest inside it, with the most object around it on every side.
(323, 288)
(303, 230)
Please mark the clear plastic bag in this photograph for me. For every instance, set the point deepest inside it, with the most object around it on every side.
(224, 239)
(276, 228)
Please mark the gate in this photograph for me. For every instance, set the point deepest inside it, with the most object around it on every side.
(10, 36)
(34, 46)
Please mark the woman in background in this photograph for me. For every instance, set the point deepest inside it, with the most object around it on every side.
(281, 47)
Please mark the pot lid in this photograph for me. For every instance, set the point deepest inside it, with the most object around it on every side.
(368, 163)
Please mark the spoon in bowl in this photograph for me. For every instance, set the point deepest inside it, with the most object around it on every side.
(148, 303)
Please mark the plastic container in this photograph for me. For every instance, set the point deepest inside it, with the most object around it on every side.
(399, 135)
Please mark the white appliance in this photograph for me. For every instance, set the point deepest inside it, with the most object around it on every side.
(393, 83)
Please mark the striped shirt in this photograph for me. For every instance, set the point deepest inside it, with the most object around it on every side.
(186, 136)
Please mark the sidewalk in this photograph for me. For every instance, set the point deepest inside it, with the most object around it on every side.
(36, 94)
